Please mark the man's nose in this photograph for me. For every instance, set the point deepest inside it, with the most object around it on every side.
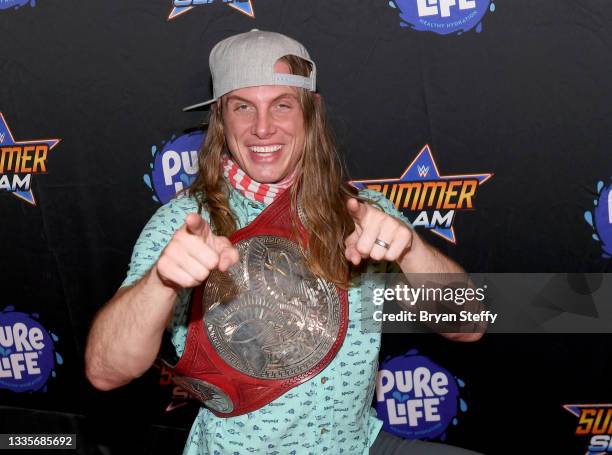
(264, 125)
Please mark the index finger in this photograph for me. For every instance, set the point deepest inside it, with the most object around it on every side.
(356, 209)
(196, 225)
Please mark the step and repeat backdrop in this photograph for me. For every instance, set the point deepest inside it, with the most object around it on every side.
(503, 105)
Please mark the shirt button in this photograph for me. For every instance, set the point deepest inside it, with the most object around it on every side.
(323, 380)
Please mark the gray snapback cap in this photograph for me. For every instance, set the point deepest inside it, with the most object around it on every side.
(247, 60)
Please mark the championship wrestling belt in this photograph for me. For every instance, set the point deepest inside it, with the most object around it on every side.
(265, 326)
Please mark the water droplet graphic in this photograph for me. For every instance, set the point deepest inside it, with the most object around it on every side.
(588, 217)
(600, 185)
(596, 237)
(53, 374)
(463, 405)
(392, 5)
(155, 198)
(147, 180)
(479, 27)
(455, 421)
(54, 336)
(460, 381)
(59, 359)
(492, 7)
(153, 150)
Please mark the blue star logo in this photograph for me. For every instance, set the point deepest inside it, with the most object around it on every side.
(576, 408)
(9, 149)
(242, 6)
(424, 169)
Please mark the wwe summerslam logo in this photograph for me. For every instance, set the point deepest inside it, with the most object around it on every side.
(428, 199)
(20, 160)
(179, 397)
(594, 421)
(182, 6)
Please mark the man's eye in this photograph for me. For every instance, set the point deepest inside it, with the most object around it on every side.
(242, 107)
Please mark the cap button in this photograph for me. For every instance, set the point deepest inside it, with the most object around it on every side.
(254, 29)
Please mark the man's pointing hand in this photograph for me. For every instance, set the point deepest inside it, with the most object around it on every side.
(192, 253)
(377, 235)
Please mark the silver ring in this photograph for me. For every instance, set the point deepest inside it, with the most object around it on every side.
(382, 243)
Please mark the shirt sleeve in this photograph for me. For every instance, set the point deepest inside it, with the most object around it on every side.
(384, 204)
(156, 234)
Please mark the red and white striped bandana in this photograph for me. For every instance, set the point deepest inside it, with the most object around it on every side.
(249, 188)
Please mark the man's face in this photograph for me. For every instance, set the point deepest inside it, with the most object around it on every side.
(264, 129)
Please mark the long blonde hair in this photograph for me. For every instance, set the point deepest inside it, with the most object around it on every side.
(321, 182)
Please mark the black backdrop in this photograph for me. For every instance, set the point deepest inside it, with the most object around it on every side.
(529, 99)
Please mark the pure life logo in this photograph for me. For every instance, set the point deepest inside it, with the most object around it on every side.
(26, 352)
(442, 7)
(600, 218)
(174, 166)
(416, 398)
(6, 4)
(443, 16)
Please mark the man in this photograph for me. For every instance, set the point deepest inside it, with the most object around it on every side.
(269, 172)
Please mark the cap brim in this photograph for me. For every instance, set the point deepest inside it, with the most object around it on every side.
(199, 106)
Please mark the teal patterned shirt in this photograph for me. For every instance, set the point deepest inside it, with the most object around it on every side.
(330, 413)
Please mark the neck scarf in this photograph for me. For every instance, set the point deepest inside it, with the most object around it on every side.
(249, 188)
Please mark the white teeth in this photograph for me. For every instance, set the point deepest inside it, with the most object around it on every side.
(265, 148)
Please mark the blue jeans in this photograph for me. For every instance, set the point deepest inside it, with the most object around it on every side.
(387, 444)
